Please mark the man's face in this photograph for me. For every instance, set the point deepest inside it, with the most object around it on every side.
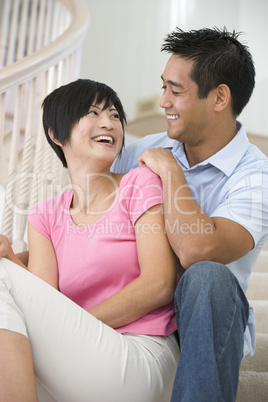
(187, 115)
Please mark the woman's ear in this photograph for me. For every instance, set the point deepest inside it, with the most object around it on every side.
(222, 97)
(50, 133)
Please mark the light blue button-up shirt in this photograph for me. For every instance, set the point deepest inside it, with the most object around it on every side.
(231, 184)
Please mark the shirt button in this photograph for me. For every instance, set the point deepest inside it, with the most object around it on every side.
(186, 174)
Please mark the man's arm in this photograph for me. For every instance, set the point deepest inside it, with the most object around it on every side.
(223, 240)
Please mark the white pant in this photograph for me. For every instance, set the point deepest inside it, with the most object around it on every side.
(78, 358)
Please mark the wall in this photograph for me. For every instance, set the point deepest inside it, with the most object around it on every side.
(122, 46)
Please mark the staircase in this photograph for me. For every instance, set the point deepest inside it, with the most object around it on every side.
(253, 381)
(40, 47)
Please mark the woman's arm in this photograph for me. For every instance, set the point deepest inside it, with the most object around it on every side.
(23, 257)
(42, 258)
(157, 281)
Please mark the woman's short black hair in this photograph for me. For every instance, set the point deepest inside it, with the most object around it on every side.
(66, 105)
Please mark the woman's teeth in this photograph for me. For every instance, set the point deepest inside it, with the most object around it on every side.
(104, 138)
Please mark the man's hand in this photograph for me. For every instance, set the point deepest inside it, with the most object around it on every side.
(159, 160)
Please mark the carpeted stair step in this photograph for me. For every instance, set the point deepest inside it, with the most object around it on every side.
(262, 262)
(261, 315)
(258, 286)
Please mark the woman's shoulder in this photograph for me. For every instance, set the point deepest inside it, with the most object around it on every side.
(141, 184)
(141, 174)
(51, 205)
(140, 189)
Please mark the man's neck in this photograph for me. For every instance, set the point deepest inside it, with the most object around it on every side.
(216, 141)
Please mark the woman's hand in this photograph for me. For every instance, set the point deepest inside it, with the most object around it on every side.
(4, 247)
(6, 251)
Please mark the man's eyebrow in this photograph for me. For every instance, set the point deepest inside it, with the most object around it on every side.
(173, 83)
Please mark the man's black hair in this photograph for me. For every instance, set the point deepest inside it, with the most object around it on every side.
(218, 58)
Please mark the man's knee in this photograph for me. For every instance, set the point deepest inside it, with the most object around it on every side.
(207, 272)
(206, 276)
(210, 288)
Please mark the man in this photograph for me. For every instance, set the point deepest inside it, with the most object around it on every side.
(215, 186)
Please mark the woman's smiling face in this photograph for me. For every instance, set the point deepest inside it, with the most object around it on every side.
(97, 135)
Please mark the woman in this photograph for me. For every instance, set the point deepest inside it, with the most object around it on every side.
(103, 245)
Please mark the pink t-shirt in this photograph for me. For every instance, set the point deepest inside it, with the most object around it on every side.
(98, 260)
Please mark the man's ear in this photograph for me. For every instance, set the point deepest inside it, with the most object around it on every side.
(50, 133)
(222, 97)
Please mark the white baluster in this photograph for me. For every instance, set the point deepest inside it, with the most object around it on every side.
(42, 4)
(13, 32)
(32, 24)
(4, 31)
(7, 226)
(22, 29)
(22, 201)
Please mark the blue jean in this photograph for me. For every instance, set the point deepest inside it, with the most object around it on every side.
(212, 314)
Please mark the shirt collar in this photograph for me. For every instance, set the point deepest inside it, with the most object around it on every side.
(169, 143)
(226, 159)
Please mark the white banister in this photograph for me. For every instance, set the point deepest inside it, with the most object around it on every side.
(40, 49)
